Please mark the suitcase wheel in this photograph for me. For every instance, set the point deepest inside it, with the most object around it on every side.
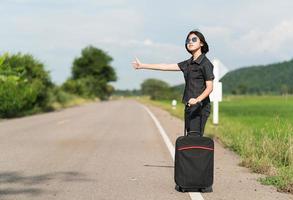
(202, 190)
(179, 189)
(207, 189)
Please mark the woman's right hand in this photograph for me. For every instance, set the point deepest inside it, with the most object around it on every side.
(137, 64)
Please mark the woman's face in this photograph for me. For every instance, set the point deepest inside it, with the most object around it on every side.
(193, 43)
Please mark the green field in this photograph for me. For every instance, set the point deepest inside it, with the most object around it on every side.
(259, 129)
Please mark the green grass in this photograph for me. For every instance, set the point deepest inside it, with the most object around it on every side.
(259, 129)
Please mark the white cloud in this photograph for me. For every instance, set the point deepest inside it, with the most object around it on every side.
(146, 48)
(147, 42)
(273, 40)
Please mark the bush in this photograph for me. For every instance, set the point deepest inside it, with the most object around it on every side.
(79, 87)
(24, 85)
(17, 95)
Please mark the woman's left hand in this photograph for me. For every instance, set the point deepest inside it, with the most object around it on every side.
(192, 101)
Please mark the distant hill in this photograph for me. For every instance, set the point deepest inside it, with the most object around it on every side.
(274, 78)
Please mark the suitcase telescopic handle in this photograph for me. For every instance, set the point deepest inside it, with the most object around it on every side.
(189, 109)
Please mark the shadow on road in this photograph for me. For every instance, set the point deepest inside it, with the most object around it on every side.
(28, 185)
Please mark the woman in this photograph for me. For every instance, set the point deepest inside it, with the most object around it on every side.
(198, 75)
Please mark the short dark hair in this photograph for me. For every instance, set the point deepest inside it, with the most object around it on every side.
(205, 47)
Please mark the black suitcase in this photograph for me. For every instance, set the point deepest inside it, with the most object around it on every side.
(194, 162)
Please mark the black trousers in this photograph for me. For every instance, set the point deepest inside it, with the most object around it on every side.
(195, 122)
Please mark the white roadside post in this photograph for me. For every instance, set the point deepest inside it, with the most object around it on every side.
(216, 95)
(174, 103)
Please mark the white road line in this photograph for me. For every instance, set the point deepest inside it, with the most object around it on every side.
(193, 195)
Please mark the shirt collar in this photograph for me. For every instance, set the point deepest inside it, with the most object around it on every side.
(198, 60)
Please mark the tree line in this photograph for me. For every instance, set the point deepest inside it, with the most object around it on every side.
(26, 86)
(156, 89)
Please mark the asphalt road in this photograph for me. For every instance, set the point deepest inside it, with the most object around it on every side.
(102, 151)
(108, 150)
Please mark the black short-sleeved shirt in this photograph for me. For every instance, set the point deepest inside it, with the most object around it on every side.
(196, 72)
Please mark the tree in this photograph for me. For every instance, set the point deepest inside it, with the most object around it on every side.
(91, 73)
(156, 89)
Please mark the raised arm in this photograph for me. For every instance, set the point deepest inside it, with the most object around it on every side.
(164, 67)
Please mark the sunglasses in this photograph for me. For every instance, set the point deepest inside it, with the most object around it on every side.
(194, 39)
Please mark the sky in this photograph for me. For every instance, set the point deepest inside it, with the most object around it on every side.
(239, 33)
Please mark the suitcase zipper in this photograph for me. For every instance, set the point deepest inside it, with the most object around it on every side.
(195, 147)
